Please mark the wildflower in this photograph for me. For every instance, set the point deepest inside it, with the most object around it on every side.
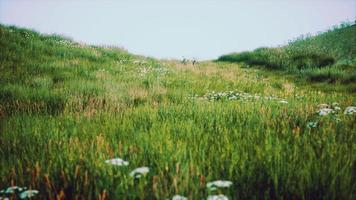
(178, 197)
(12, 190)
(138, 62)
(138, 172)
(28, 194)
(325, 111)
(312, 124)
(218, 184)
(217, 197)
(283, 102)
(335, 104)
(350, 110)
(117, 161)
(337, 108)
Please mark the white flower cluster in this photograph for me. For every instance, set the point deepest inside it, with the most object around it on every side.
(65, 42)
(142, 171)
(217, 197)
(332, 109)
(139, 62)
(218, 184)
(117, 162)
(20, 192)
(236, 95)
(350, 110)
(326, 109)
(136, 173)
(230, 95)
(144, 70)
(178, 197)
(312, 124)
(148, 69)
(214, 185)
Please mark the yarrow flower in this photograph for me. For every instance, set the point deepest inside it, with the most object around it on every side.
(283, 102)
(350, 110)
(325, 111)
(12, 190)
(337, 108)
(117, 162)
(218, 184)
(19, 192)
(178, 197)
(28, 194)
(138, 172)
(217, 197)
(312, 124)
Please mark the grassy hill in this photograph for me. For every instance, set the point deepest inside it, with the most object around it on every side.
(66, 108)
(328, 57)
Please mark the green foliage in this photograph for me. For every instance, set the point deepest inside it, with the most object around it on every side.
(66, 107)
(309, 55)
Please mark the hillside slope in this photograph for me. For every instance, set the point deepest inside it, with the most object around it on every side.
(66, 109)
(45, 73)
(328, 57)
(338, 43)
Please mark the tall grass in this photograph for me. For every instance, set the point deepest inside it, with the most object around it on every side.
(308, 56)
(66, 107)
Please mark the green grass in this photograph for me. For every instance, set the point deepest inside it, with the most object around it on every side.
(67, 107)
(320, 58)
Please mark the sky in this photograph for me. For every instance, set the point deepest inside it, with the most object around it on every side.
(204, 29)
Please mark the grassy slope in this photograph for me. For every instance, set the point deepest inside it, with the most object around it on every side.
(65, 108)
(328, 57)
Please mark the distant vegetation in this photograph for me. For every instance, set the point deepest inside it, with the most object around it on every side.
(89, 122)
(328, 57)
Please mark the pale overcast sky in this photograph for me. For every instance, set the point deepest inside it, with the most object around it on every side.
(204, 29)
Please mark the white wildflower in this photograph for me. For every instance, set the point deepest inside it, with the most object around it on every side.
(312, 124)
(325, 111)
(138, 172)
(13, 189)
(218, 184)
(178, 197)
(337, 108)
(138, 62)
(217, 197)
(335, 104)
(28, 194)
(283, 102)
(117, 161)
(144, 70)
(350, 110)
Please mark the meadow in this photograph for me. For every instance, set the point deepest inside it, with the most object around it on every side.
(67, 108)
(328, 57)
